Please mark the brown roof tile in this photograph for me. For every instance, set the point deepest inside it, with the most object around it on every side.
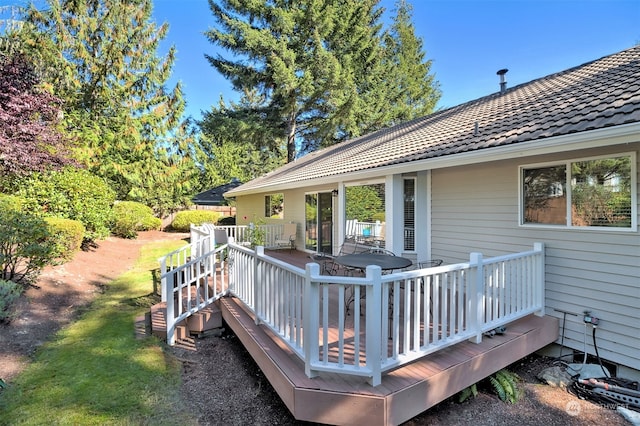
(595, 95)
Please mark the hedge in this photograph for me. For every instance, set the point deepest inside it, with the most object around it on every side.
(131, 217)
(183, 220)
(66, 236)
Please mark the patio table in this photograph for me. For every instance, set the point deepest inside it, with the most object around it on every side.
(362, 260)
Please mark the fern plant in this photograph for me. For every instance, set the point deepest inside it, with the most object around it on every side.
(505, 385)
(468, 392)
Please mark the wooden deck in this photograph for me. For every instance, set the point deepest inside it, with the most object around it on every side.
(404, 392)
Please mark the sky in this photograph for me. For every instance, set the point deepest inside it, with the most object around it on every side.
(467, 40)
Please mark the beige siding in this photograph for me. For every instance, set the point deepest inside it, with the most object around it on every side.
(475, 208)
(252, 207)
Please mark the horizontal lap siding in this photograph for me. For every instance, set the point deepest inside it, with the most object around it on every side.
(475, 208)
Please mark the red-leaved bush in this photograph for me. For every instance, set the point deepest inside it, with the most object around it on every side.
(29, 140)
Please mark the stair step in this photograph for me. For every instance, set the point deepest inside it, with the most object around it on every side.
(205, 319)
(159, 320)
(143, 325)
(202, 321)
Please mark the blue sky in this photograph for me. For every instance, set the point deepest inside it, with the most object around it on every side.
(468, 41)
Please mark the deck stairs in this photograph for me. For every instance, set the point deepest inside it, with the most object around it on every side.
(201, 323)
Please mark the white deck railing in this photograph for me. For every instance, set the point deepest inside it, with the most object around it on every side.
(242, 234)
(407, 315)
(192, 282)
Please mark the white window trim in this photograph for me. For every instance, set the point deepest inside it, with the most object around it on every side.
(415, 215)
(568, 225)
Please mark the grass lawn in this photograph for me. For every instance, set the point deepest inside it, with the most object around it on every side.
(95, 371)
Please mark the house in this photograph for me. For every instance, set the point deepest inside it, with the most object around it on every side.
(554, 160)
(213, 199)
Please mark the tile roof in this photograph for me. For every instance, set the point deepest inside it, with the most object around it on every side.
(595, 95)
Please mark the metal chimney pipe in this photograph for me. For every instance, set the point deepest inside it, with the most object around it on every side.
(503, 82)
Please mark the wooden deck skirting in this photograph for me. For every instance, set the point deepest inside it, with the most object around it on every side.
(404, 393)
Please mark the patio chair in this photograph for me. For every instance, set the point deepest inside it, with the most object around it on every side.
(326, 262)
(431, 263)
(288, 237)
(348, 247)
(380, 250)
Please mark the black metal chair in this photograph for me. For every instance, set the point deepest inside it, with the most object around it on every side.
(348, 247)
(326, 262)
(431, 263)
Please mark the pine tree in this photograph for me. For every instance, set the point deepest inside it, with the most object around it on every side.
(233, 143)
(293, 54)
(325, 69)
(413, 91)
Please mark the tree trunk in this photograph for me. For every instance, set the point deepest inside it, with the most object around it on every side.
(291, 138)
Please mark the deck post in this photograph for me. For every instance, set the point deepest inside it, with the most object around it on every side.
(258, 281)
(477, 296)
(311, 319)
(171, 324)
(374, 324)
(540, 278)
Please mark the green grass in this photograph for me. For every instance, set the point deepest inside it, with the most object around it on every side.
(95, 371)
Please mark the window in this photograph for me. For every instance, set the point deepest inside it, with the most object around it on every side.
(274, 206)
(365, 212)
(595, 192)
(409, 214)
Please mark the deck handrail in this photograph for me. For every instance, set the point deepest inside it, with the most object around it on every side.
(408, 315)
(241, 233)
(192, 285)
(469, 299)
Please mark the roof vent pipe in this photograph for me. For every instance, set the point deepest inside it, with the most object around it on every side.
(503, 82)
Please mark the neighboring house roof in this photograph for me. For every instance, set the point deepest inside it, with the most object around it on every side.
(214, 196)
(596, 95)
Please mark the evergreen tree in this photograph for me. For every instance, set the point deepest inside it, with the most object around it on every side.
(113, 83)
(413, 92)
(292, 53)
(326, 70)
(234, 143)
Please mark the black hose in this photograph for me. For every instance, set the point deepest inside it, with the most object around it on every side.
(595, 346)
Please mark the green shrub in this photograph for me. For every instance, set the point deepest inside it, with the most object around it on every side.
(71, 194)
(467, 393)
(227, 221)
(183, 220)
(151, 223)
(66, 236)
(24, 246)
(504, 383)
(378, 216)
(11, 202)
(9, 293)
(131, 217)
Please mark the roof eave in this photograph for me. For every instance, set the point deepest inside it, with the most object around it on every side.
(609, 136)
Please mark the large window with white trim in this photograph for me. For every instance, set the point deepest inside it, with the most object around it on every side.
(586, 193)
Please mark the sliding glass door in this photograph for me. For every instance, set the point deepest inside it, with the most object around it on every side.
(319, 222)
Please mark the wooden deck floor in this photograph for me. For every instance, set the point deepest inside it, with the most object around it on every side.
(404, 393)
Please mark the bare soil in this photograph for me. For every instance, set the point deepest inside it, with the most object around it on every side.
(222, 385)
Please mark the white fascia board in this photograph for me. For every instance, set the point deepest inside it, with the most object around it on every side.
(609, 136)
